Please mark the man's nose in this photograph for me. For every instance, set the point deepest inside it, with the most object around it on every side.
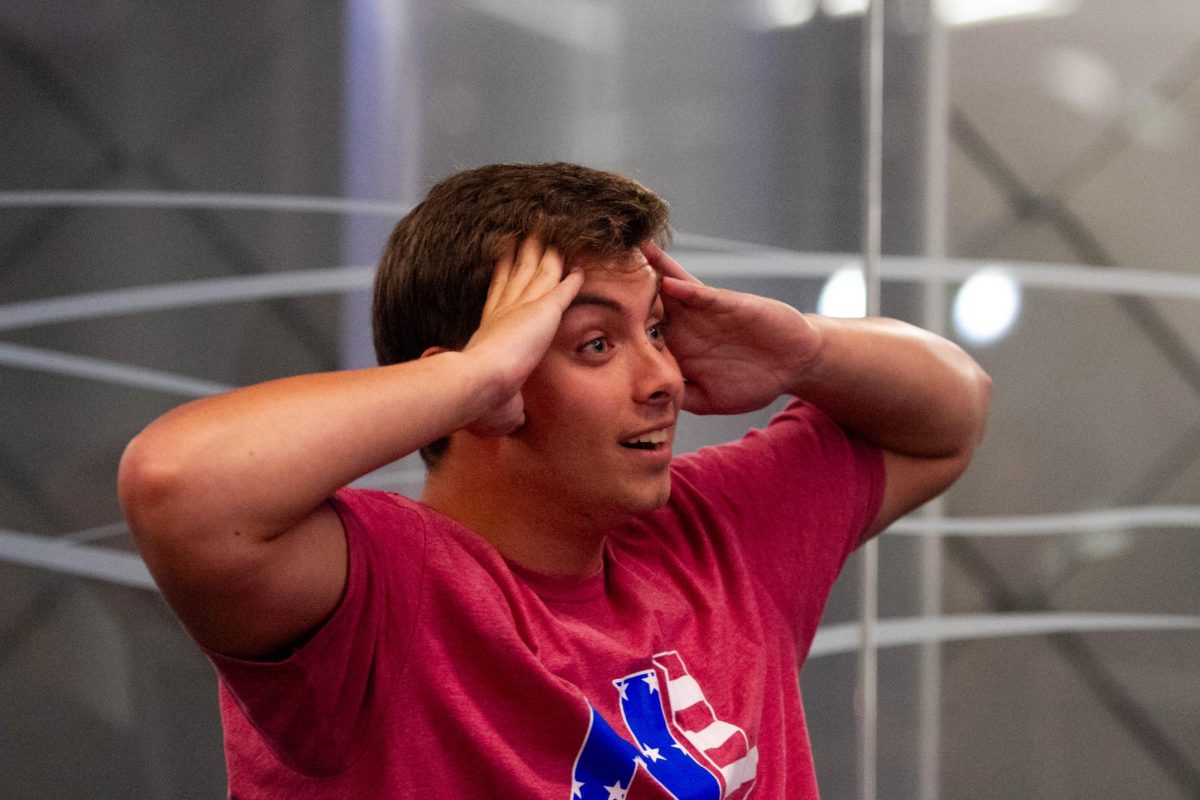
(659, 379)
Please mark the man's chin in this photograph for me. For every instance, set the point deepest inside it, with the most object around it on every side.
(617, 511)
(653, 501)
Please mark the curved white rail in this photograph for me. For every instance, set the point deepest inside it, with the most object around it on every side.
(98, 369)
(211, 201)
(302, 204)
(706, 265)
(900, 632)
(126, 569)
(1108, 519)
(34, 547)
(711, 258)
(83, 560)
(184, 294)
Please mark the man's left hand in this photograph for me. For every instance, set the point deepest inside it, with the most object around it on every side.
(738, 352)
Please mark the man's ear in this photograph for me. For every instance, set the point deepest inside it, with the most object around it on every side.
(433, 351)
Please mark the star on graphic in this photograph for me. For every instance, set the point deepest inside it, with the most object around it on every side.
(617, 791)
(652, 681)
(622, 687)
(576, 788)
(679, 747)
(653, 754)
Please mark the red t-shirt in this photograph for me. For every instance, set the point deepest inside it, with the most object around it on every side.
(448, 672)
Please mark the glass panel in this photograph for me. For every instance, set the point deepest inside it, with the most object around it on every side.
(1063, 140)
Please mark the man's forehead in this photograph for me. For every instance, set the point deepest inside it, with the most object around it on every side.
(631, 261)
(629, 280)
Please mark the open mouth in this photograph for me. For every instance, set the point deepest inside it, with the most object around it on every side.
(651, 440)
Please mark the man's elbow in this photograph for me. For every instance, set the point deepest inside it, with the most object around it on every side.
(155, 492)
(169, 520)
(980, 403)
(146, 481)
(973, 406)
(964, 405)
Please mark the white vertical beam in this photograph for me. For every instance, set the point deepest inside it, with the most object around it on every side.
(929, 687)
(381, 140)
(868, 676)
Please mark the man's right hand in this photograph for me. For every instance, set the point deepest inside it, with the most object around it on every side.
(524, 306)
(226, 495)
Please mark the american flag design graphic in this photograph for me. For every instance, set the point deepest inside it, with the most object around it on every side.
(688, 750)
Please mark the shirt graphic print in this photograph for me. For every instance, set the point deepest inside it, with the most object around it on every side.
(686, 749)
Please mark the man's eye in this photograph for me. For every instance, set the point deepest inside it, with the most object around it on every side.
(597, 346)
(657, 332)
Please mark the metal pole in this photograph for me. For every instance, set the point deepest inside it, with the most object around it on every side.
(873, 173)
(382, 141)
(937, 136)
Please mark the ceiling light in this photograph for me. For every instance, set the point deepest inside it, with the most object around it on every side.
(974, 12)
(844, 8)
(589, 25)
(844, 294)
(1083, 81)
(773, 14)
(986, 306)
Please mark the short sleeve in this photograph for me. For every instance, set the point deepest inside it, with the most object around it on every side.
(797, 496)
(309, 707)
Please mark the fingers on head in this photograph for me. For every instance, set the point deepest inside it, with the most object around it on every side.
(664, 264)
(528, 265)
(542, 271)
(677, 290)
(550, 267)
(511, 272)
(501, 273)
(568, 287)
(524, 263)
(529, 252)
(651, 251)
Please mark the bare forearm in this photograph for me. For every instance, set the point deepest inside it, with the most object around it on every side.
(901, 388)
(261, 458)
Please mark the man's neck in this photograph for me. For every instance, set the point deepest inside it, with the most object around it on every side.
(535, 531)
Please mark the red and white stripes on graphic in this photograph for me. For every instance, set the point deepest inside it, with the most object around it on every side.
(726, 747)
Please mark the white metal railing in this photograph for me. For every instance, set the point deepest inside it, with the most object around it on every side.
(708, 258)
(69, 553)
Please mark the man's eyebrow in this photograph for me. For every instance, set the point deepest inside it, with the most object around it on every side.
(588, 299)
(593, 299)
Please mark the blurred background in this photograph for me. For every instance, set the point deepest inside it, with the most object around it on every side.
(193, 196)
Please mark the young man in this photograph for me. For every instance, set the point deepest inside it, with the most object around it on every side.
(569, 612)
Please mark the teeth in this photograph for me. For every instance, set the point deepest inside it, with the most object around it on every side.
(653, 437)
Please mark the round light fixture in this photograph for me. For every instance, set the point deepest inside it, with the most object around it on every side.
(844, 294)
(986, 306)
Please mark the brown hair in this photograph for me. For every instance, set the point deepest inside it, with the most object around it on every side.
(438, 262)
